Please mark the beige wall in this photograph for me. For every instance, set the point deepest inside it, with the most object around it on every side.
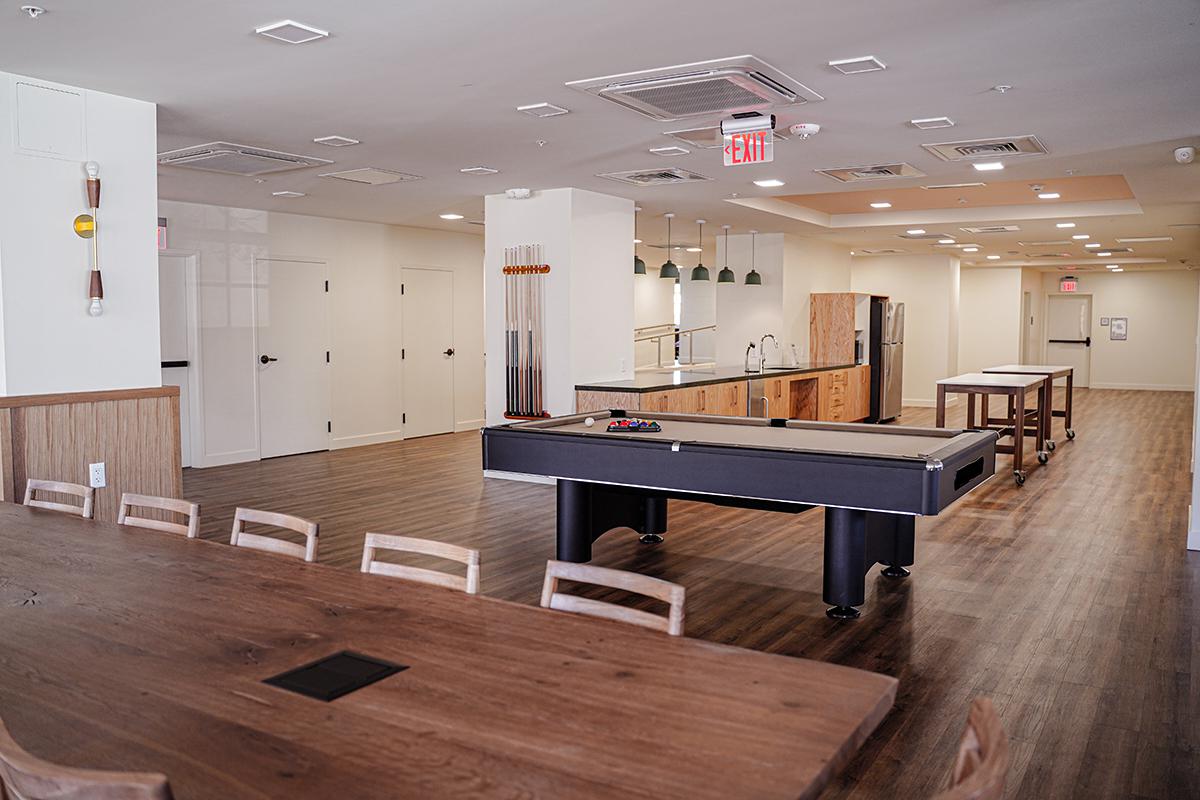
(989, 331)
(1160, 352)
(929, 288)
(809, 265)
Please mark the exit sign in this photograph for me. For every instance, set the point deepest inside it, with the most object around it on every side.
(1068, 284)
(749, 147)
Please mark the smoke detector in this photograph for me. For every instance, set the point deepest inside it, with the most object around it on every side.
(33, 11)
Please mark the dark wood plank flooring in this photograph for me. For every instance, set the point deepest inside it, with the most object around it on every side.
(1072, 601)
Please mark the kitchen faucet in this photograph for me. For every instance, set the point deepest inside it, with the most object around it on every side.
(749, 350)
(762, 349)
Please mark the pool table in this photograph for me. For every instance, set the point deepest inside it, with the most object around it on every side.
(873, 480)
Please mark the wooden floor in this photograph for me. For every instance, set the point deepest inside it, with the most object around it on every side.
(1071, 601)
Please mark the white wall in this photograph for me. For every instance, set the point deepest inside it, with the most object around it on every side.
(990, 313)
(653, 304)
(744, 313)
(601, 281)
(809, 266)
(363, 263)
(1193, 539)
(929, 288)
(49, 342)
(1031, 281)
(1160, 352)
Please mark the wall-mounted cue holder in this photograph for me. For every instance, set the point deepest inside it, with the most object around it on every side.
(525, 274)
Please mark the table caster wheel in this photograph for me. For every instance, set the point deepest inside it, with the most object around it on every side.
(1019, 477)
(843, 612)
(895, 571)
(1043, 457)
(650, 538)
(1051, 445)
(1070, 433)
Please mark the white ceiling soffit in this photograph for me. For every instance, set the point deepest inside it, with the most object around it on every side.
(713, 88)
(655, 177)
(971, 149)
(371, 176)
(709, 136)
(237, 159)
(872, 172)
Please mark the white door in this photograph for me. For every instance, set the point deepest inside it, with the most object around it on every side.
(292, 356)
(1028, 343)
(1069, 333)
(173, 339)
(427, 323)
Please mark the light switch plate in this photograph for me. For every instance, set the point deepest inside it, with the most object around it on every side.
(96, 475)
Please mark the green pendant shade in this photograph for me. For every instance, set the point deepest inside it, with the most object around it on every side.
(753, 278)
(726, 276)
(639, 266)
(700, 273)
(668, 270)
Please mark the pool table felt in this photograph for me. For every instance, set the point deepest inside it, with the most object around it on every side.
(867, 442)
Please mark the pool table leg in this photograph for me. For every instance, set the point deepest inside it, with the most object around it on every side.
(854, 542)
(586, 511)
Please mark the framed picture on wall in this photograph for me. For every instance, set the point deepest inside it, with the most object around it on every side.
(1118, 329)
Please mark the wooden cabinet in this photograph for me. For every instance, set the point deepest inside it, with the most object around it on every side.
(725, 399)
(831, 327)
(844, 395)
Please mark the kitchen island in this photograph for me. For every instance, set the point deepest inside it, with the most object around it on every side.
(811, 391)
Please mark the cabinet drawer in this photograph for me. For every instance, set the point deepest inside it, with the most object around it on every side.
(839, 378)
(837, 391)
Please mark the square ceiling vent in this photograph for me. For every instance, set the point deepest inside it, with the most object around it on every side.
(992, 229)
(337, 141)
(655, 177)
(371, 176)
(872, 172)
(714, 88)
(1004, 146)
(237, 159)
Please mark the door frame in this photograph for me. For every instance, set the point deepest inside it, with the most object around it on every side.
(254, 287)
(191, 270)
(1045, 337)
(404, 347)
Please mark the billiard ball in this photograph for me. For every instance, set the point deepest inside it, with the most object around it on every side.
(589, 422)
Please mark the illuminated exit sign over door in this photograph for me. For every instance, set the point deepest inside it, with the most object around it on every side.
(749, 147)
(1068, 284)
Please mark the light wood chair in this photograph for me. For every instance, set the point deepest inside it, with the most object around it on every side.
(255, 541)
(407, 544)
(190, 510)
(24, 776)
(982, 762)
(86, 493)
(671, 593)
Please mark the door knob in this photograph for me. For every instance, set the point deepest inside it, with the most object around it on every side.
(449, 351)
(266, 359)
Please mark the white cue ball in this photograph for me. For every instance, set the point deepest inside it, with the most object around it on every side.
(589, 422)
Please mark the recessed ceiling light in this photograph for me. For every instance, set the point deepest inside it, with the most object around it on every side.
(993, 258)
(695, 250)
(1128, 239)
(291, 32)
(1103, 254)
(637, 241)
(932, 122)
(853, 66)
(478, 171)
(769, 183)
(337, 141)
(970, 249)
(988, 166)
(1048, 195)
(1113, 266)
(1080, 236)
(670, 150)
(1064, 225)
(915, 231)
(1093, 244)
(451, 216)
(287, 194)
(1118, 269)
(881, 205)
(945, 241)
(543, 110)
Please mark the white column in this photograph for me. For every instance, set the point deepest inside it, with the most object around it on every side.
(1193, 540)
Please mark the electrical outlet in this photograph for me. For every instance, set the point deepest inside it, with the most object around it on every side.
(96, 475)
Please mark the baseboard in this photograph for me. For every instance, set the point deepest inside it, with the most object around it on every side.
(224, 459)
(517, 476)
(468, 425)
(1146, 387)
(342, 442)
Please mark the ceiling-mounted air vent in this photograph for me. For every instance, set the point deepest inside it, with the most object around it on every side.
(1054, 243)
(1027, 145)
(974, 184)
(372, 176)
(709, 137)
(704, 89)
(1047, 255)
(655, 177)
(872, 172)
(992, 229)
(236, 159)
(920, 236)
(880, 251)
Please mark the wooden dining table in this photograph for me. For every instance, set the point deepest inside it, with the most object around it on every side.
(128, 649)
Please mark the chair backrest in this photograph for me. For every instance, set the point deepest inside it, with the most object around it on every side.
(255, 541)
(670, 593)
(407, 544)
(190, 510)
(26, 777)
(86, 493)
(982, 762)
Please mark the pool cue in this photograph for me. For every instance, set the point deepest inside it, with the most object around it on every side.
(95, 284)
(508, 354)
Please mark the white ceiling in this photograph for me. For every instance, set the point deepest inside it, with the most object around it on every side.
(431, 87)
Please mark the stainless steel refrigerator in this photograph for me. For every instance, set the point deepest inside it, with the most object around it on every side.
(887, 359)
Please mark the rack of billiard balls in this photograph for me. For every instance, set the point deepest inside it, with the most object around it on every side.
(628, 425)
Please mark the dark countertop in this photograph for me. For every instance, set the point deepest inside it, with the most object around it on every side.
(662, 380)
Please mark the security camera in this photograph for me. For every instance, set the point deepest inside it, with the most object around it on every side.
(1185, 155)
(803, 130)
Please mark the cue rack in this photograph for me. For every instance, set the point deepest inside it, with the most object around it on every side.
(525, 274)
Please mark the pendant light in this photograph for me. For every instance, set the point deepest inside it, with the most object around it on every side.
(700, 272)
(752, 277)
(726, 274)
(669, 270)
(639, 266)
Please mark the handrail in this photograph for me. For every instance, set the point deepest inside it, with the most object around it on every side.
(684, 332)
(670, 325)
(688, 333)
